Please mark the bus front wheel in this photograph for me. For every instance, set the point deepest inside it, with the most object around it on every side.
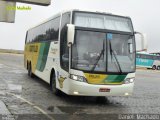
(53, 85)
(153, 67)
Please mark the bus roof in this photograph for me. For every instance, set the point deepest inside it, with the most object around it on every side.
(64, 11)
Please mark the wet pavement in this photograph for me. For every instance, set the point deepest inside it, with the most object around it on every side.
(31, 98)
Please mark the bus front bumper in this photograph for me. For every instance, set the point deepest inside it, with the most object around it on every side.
(85, 89)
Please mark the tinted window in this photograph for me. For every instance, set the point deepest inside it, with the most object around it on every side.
(137, 56)
(149, 57)
(45, 32)
(143, 56)
(152, 57)
(64, 51)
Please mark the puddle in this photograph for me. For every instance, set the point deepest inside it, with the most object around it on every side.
(1, 66)
(2, 87)
(71, 109)
(15, 88)
(2, 93)
(55, 110)
(16, 71)
(65, 109)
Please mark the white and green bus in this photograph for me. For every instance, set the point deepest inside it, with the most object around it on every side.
(83, 53)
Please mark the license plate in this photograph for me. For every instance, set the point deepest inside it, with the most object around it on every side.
(104, 90)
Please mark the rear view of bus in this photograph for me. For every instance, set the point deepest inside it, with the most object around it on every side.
(101, 55)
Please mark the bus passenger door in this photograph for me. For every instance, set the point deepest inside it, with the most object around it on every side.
(64, 52)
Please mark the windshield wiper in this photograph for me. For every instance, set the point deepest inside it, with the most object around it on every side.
(98, 58)
(112, 52)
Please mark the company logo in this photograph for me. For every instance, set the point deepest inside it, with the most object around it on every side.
(61, 80)
(10, 8)
(91, 76)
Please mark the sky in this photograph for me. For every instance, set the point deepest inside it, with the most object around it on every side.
(144, 15)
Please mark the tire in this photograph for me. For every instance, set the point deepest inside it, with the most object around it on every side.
(153, 67)
(53, 85)
(158, 67)
(30, 74)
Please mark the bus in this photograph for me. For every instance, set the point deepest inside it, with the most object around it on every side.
(147, 60)
(83, 53)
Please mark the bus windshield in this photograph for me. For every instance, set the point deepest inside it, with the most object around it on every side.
(103, 52)
(103, 21)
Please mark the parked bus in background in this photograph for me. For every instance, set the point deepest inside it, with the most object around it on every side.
(83, 53)
(147, 60)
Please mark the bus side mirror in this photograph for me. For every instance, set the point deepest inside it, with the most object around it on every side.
(70, 34)
(144, 44)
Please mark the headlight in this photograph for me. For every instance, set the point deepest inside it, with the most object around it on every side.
(78, 78)
(129, 80)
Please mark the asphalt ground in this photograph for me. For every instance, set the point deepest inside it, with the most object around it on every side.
(30, 98)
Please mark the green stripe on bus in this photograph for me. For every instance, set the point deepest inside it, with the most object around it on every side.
(114, 78)
(43, 54)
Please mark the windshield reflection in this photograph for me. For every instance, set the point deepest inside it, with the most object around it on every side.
(86, 49)
(91, 52)
(122, 57)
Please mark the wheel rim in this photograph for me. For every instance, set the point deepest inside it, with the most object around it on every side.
(154, 67)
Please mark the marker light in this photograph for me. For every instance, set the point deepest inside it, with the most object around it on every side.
(75, 92)
(126, 94)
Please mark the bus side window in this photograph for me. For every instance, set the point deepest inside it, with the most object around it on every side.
(137, 56)
(155, 58)
(142, 56)
(64, 49)
(148, 57)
